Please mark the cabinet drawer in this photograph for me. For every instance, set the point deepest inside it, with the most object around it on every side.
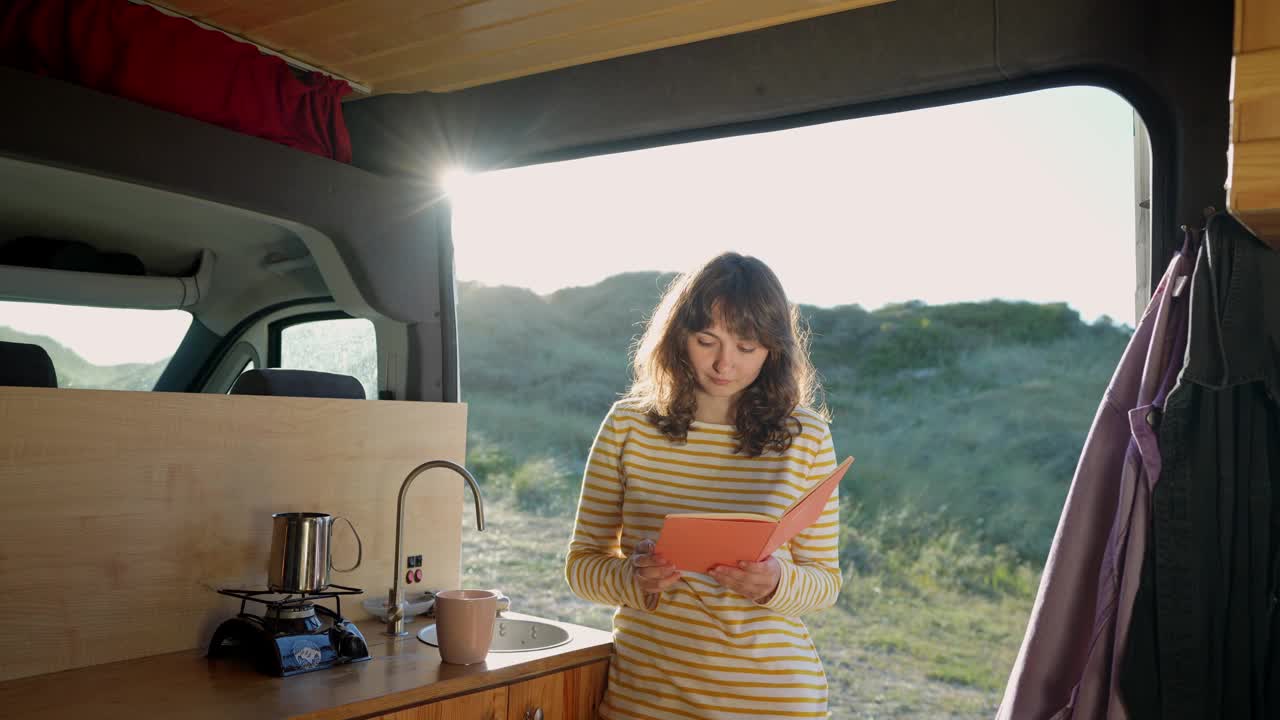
(572, 694)
(484, 705)
(569, 695)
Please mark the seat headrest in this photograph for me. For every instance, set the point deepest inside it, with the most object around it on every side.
(25, 365)
(298, 383)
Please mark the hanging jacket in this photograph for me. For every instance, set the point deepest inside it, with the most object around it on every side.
(1064, 668)
(1205, 637)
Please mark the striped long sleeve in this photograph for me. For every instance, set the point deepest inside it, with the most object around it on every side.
(597, 569)
(811, 575)
(701, 650)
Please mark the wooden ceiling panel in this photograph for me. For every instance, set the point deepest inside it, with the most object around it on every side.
(555, 31)
(351, 43)
(252, 17)
(475, 61)
(443, 45)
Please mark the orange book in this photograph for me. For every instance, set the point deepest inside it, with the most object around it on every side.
(697, 542)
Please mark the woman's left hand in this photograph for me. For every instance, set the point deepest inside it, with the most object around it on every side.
(754, 581)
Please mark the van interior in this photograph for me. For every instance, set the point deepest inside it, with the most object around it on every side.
(274, 184)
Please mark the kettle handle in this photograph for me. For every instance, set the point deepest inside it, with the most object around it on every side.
(359, 544)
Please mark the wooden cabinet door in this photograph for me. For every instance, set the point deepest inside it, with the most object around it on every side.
(542, 694)
(486, 705)
(584, 686)
(570, 695)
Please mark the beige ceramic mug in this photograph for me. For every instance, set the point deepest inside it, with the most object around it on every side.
(464, 624)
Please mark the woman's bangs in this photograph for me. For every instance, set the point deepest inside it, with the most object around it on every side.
(734, 312)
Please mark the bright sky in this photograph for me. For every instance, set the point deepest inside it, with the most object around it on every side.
(1028, 197)
(103, 336)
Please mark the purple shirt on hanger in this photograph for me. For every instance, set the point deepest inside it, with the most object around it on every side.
(1068, 664)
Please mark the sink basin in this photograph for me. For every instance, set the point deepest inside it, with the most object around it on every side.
(511, 635)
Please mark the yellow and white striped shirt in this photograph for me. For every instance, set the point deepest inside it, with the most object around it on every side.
(701, 650)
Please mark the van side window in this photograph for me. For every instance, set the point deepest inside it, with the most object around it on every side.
(346, 346)
(98, 348)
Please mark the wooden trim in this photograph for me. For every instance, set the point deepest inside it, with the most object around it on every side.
(1255, 175)
(1253, 159)
(1255, 120)
(1253, 195)
(1237, 34)
(1257, 25)
(1256, 75)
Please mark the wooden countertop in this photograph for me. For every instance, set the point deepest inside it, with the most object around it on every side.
(403, 672)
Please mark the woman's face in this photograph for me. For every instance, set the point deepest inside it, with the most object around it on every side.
(723, 363)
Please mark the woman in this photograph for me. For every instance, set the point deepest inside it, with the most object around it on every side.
(719, 417)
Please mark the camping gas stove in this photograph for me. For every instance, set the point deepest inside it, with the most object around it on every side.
(292, 634)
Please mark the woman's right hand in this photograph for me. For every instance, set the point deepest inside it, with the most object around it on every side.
(653, 574)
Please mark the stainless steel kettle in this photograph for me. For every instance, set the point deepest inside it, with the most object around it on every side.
(300, 559)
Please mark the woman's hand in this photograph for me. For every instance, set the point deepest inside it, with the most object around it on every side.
(653, 574)
(754, 581)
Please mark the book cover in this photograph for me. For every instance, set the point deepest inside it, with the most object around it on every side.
(697, 542)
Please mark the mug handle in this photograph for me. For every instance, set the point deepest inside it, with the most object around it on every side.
(359, 544)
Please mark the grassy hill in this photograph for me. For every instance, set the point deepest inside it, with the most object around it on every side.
(966, 419)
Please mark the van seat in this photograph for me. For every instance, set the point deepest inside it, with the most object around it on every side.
(26, 365)
(297, 383)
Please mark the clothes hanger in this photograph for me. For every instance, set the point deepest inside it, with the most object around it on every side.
(1188, 243)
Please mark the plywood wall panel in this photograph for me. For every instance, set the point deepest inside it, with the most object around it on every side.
(123, 511)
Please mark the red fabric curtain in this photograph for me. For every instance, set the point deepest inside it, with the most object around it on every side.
(170, 63)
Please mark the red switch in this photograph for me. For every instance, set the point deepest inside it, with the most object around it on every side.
(417, 575)
(408, 576)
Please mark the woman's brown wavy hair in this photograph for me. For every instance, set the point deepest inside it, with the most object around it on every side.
(748, 299)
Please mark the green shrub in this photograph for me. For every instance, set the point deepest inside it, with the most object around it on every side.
(924, 552)
(540, 486)
(485, 460)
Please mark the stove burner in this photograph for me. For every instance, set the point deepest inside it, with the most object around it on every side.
(291, 619)
(291, 612)
(292, 635)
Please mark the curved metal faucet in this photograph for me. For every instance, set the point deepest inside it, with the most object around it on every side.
(395, 601)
